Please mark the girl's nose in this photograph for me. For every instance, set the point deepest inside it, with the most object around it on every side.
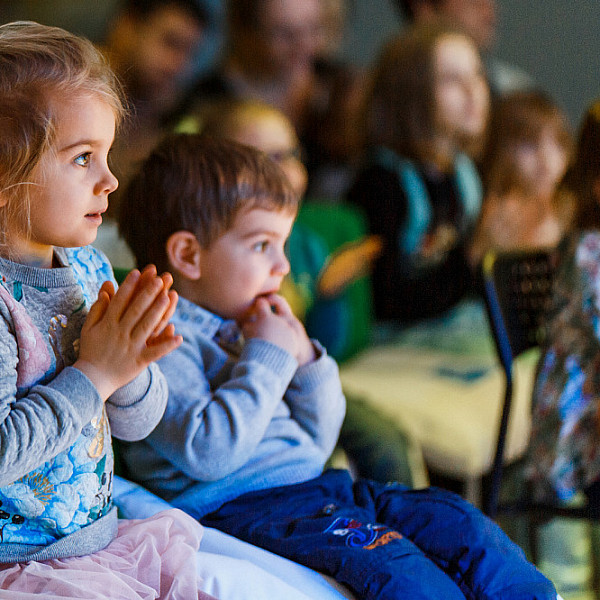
(108, 184)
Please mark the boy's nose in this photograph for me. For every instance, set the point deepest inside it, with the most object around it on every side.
(282, 266)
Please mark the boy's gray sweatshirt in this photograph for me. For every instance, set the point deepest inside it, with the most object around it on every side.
(55, 453)
(237, 420)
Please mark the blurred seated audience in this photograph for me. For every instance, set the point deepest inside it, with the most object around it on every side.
(151, 45)
(479, 19)
(282, 52)
(526, 155)
(420, 192)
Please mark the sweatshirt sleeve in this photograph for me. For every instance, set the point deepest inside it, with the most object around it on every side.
(316, 400)
(135, 409)
(209, 432)
(36, 427)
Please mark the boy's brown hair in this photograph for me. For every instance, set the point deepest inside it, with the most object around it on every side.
(197, 184)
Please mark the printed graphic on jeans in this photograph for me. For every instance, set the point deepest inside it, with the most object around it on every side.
(357, 535)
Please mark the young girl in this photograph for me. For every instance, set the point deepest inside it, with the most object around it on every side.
(428, 100)
(565, 443)
(76, 357)
(526, 155)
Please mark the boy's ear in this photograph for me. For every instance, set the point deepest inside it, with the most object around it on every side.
(183, 252)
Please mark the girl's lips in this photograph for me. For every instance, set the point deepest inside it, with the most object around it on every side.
(95, 218)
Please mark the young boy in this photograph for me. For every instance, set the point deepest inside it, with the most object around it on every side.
(255, 407)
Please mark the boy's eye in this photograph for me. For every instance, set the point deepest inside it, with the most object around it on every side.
(83, 160)
(261, 246)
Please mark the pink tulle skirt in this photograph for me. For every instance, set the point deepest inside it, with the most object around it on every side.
(150, 558)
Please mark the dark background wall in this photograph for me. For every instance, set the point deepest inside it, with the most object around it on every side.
(556, 41)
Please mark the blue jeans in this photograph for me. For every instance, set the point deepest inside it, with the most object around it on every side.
(385, 541)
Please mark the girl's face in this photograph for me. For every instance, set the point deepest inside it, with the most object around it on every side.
(71, 184)
(274, 135)
(461, 93)
(542, 163)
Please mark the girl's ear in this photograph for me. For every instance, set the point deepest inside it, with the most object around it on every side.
(183, 252)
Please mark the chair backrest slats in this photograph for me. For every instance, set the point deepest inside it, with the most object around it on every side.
(518, 294)
(518, 288)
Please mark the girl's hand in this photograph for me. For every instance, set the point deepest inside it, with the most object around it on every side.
(272, 319)
(125, 330)
(173, 297)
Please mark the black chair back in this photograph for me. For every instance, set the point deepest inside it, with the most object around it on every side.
(517, 291)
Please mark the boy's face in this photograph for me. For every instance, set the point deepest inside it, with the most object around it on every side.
(246, 262)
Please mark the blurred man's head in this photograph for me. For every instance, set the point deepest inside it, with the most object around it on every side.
(152, 43)
(275, 37)
(476, 17)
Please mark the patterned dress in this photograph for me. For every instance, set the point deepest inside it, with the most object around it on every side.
(564, 453)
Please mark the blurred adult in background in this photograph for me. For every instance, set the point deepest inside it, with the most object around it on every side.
(477, 18)
(151, 44)
(283, 53)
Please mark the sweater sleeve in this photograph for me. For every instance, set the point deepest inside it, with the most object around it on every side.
(210, 431)
(135, 409)
(36, 427)
(316, 400)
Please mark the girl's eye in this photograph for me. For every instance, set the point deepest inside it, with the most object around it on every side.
(83, 160)
(261, 246)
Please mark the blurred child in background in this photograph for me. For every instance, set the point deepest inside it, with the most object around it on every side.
(527, 152)
(419, 190)
(565, 441)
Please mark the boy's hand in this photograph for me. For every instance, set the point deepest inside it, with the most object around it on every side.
(271, 319)
(126, 330)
